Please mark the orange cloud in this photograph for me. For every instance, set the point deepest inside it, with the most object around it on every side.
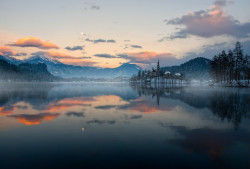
(79, 62)
(34, 42)
(6, 50)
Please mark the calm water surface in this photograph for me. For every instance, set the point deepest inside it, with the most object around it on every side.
(84, 125)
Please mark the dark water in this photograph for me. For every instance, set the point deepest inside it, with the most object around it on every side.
(68, 125)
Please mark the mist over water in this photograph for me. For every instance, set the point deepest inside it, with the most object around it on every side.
(115, 125)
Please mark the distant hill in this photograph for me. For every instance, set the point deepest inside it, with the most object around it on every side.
(57, 68)
(25, 72)
(197, 68)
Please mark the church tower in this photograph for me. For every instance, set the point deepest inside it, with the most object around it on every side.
(158, 68)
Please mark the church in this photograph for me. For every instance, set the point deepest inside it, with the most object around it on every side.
(157, 72)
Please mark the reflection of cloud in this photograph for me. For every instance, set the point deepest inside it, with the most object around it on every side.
(77, 114)
(68, 103)
(34, 42)
(5, 111)
(35, 119)
(209, 23)
(142, 105)
(105, 107)
(209, 141)
(96, 121)
(136, 117)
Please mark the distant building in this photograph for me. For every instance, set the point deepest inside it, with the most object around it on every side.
(177, 74)
(153, 73)
(167, 73)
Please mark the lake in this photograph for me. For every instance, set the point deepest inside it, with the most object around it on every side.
(116, 125)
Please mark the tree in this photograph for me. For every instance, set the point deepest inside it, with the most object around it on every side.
(238, 54)
(231, 64)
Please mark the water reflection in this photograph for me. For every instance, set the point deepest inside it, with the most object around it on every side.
(84, 125)
(227, 103)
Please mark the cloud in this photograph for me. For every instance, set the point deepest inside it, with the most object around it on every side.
(56, 55)
(105, 56)
(209, 23)
(80, 62)
(21, 54)
(95, 7)
(74, 48)
(136, 46)
(8, 51)
(34, 42)
(147, 57)
(95, 41)
(132, 46)
(91, 6)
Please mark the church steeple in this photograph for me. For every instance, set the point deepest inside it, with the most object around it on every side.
(158, 68)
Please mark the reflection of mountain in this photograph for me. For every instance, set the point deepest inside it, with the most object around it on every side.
(230, 105)
(35, 93)
(32, 103)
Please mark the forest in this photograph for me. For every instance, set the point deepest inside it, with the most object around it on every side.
(232, 67)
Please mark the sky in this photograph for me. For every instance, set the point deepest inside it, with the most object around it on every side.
(108, 33)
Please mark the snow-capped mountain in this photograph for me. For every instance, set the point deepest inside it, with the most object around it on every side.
(60, 69)
(42, 59)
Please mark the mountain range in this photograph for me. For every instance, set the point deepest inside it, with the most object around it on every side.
(197, 68)
(60, 69)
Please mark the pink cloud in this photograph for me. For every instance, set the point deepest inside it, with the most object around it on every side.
(148, 57)
(6, 50)
(209, 23)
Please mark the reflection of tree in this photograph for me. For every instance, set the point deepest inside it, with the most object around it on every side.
(231, 105)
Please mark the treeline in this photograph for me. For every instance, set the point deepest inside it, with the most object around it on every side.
(25, 72)
(232, 66)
